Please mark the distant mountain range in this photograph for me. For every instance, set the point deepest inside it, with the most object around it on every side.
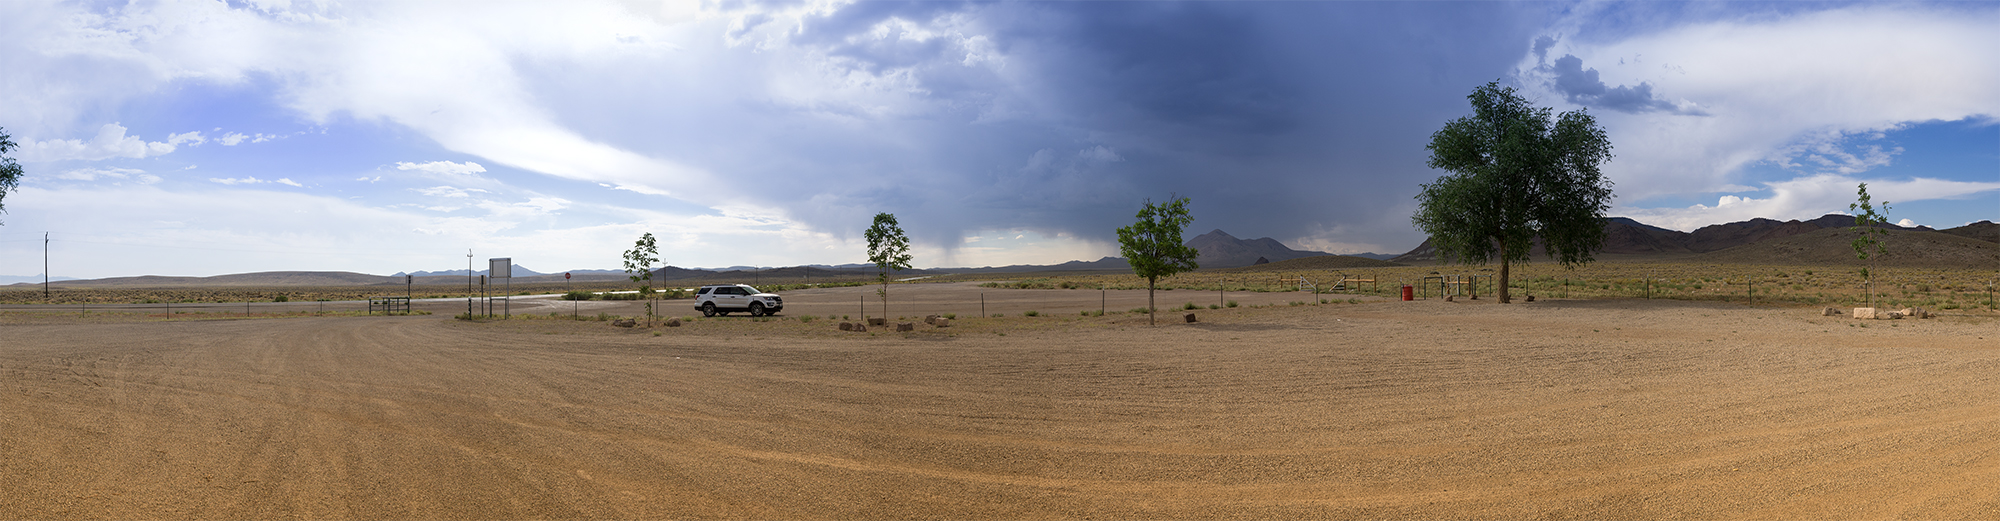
(1627, 237)
(1757, 241)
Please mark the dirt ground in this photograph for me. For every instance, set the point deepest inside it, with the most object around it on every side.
(1614, 409)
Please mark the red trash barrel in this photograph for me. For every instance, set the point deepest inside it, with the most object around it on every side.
(1408, 294)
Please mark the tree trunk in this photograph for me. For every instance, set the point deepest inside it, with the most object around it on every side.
(1150, 308)
(1504, 298)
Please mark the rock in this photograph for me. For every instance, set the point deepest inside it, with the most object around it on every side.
(878, 321)
(1190, 318)
(1531, 298)
(860, 327)
(932, 319)
(1829, 312)
(674, 322)
(1892, 315)
(1447, 298)
(846, 326)
(1865, 313)
(625, 322)
(942, 322)
(1922, 313)
(906, 326)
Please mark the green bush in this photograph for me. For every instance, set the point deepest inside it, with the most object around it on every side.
(281, 298)
(952, 316)
(1214, 306)
(578, 295)
(805, 319)
(1190, 305)
(1141, 309)
(1032, 313)
(1232, 303)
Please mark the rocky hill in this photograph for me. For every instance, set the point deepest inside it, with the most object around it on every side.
(1833, 247)
(1631, 238)
(1221, 250)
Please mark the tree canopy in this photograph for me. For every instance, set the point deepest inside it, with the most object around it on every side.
(1153, 246)
(888, 249)
(1517, 173)
(10, 172)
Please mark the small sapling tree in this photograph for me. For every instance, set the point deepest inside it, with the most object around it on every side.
(1868, 246)
(639, 264)
(1153, 247)
(889, 249)
(1517, 173)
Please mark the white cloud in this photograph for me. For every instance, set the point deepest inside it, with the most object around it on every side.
(1807, 92)
(109, 142)
(93, 174)
(1805, 198)
(1906, 223)
(252, 180)
(448, 168)
(448, 191)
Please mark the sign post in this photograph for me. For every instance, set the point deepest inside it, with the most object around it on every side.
(503, 268)
(572, 298)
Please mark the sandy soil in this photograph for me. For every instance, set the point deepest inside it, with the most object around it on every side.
(1550, 410)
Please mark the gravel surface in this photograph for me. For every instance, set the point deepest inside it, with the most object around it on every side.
(1614, 409)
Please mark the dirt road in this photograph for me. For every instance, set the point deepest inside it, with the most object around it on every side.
(1611, 409)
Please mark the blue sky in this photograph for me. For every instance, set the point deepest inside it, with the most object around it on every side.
(186, 137)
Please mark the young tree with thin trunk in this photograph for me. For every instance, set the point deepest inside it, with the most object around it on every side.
(639, 264)
(1868, 222)
(889, 249)
(1517, 173)
(1153, 245)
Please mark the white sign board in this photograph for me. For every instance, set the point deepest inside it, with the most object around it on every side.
(501, 268)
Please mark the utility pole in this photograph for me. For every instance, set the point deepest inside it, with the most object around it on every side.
(45, 267)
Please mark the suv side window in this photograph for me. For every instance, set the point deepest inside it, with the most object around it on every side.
(703, 291)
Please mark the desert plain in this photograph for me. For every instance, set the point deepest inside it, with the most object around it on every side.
(1365, 407)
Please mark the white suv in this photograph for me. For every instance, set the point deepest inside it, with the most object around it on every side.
(724, 298)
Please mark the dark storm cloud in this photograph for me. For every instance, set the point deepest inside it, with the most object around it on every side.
(1581, 86)
(1279, 119)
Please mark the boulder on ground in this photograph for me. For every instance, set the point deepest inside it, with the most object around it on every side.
(1829, 312)
(625, 322)
(906, 326)
(1447, 298)
(860, 327)
(1866, 314)
(1531, 298)
(1190, 318)
(674, 322)
(846, 326)
(932, 319)
(941, 322)
(878, 321)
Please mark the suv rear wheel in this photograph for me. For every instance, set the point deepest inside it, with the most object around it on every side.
(708, 310)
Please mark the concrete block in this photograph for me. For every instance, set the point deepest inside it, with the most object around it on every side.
(1190, 318)
(906, 326)
(1865, 314)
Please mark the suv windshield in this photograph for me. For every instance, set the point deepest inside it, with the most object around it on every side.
(749, 290)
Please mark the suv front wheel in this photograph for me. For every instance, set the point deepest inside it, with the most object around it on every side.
(708, 310)
(756, 309)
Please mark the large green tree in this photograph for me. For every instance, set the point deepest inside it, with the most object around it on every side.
(1517, 173)
(889, 249)
(1153, 246)
(10, 172)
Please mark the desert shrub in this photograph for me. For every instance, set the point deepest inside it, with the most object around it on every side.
(602, 316)
(1214, 306)
(1189, 305)
(805, 319)
(578, 295)
(1031, 313)
(1354, 301)
(952, 316)
(1141, 309)
(998, 315)
(1232, 303)
(281, 298)
(619, 296)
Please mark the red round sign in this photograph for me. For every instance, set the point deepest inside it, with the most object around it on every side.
(565, 275)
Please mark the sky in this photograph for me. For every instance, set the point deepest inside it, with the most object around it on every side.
(196, 137)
